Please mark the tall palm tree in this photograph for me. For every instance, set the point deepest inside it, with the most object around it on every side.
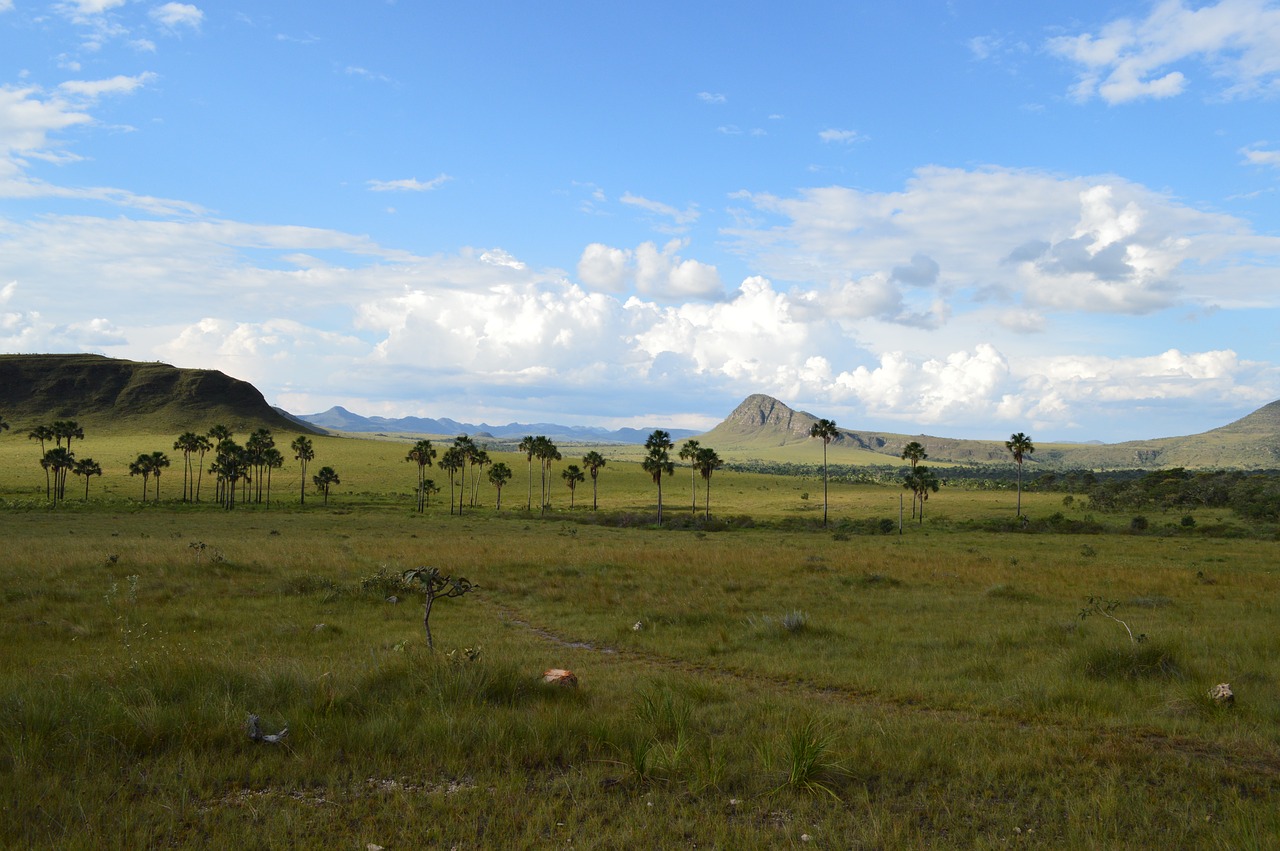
(499, 475)
(467, 452)
(706, 463)
(423, 454)
(159, 461)
(593, 461)
(257, 445)
(826, 430)
(203, 445)
(188, 443)
(1020, 446)
(657, 462)
(689, 452)
(547, 453)
(272, 459)
(87, 467)
(914, 453)
(141, 466)
(44, 434)
(479, 461)
(326, 478)
(303, 452)
(572, 476)
(527, 446)
(58, 461)
(451, 461)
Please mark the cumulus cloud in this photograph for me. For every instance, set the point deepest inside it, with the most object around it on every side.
(175, 15)
(91, 90)
(1090, 244)
(711, 97)
(1129, 59)
(659, 272)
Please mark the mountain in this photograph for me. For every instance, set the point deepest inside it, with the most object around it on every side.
(768, 426)
(340, 419)
(765, 428)
(107, 394)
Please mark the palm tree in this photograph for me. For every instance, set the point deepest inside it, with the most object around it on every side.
(547, 453)
(422, 453)
(466, 452)
(257, 445)
(58, 461)
(303, 452)
(141, 466)
(572, 476)
(188, 443)
(1020, 446)
(451, 461)
(689, 452)
(527, 446)
(593, 461)
(707, 462)
(920, 481)
(43, 433)
(658, 462)
(499, 475)
(479, 461)
(66, 430)
(825, 429)
(159, 461)
(914, 453)
(326, 478)
(272, 459)
(203, 445)
(87, 467)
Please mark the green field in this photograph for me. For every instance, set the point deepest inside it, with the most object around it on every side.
(754, 682)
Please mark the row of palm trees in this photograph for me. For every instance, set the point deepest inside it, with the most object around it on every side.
(920, 480)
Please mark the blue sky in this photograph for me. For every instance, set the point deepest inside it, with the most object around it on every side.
(960, 218)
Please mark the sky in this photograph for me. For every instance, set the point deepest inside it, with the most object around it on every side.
(962, 218)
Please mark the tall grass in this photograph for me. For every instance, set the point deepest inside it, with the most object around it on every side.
(932, 690)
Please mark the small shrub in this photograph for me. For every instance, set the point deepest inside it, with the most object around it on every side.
(1188, 521)
(1138, 524)
(1148, 660)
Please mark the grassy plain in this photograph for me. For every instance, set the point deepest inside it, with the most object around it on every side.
(745, 684)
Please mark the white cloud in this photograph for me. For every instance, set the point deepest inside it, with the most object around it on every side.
(1089, 244)
(91, 90)
(409, 184)
(843, 137)
(6, 5)
(1257, 155)
(680, 218)
(174, 15)
(711, 97)
(657, 272)
(1237, 40)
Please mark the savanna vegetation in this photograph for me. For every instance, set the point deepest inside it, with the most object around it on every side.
(747, 677)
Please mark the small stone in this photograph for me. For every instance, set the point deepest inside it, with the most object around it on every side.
(804, 837)
(639, 625)
(560, 677)
(1222, 694)
(393, 599)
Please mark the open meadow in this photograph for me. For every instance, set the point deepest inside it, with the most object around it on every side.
(755, 681)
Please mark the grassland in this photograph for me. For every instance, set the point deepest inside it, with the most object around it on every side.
(743, 684)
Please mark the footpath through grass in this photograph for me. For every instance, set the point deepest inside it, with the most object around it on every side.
(740, 688)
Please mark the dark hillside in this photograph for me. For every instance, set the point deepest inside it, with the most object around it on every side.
(109, 394)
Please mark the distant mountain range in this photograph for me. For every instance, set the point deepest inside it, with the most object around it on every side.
(118, 395)
(340, 419)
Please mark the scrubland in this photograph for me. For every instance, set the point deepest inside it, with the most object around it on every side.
(755, 681)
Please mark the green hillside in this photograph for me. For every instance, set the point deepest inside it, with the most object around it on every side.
(110, 395)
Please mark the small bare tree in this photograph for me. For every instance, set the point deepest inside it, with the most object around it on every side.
(433, 585)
